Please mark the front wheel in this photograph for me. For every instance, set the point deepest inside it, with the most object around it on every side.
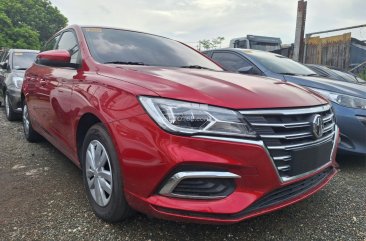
(30, 134)
(102, 176)
(11, 115)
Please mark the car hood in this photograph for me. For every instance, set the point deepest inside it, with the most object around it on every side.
(224, 89)
(329, 85)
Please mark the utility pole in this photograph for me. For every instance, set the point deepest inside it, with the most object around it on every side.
(300, 29)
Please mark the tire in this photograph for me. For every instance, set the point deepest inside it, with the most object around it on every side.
(9, 112)
(30, 134)
(102, 176)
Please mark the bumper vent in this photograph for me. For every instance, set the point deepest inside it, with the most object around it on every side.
(290, 138)
(199, 185)
(209, 187)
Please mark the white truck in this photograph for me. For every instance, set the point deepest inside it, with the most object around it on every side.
(256, 42)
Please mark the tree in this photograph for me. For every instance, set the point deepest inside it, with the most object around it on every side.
(28, 23)
(211, 44)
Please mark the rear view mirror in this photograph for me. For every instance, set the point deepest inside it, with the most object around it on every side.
(246, 70)
(56, 58)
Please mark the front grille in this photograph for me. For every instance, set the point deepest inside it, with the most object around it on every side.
(289, 138)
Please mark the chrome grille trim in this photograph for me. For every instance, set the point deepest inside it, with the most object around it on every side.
(302, 145)
(284, 168)
(328, 118)
(282, 158)
(289, 136)
(287, 125)
(301, 111)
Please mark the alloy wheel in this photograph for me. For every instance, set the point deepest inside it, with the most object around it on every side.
(26, 121)
(98, 173)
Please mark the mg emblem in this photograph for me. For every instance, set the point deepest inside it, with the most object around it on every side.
(318, 126)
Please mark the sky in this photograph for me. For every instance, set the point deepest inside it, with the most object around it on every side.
(192, 20)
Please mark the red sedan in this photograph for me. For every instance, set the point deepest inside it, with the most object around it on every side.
(157, 127)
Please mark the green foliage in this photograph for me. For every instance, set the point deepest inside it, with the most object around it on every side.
(362, 75)
(28, 23)
(211, 44)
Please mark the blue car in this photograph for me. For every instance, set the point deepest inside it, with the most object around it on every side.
(348, 99)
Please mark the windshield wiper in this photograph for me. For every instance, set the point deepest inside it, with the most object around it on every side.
(287, 73)
(312, 75)
(125, 62)
(21, 68)
(194, 67)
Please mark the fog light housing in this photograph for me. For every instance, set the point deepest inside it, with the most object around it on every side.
(199, 185)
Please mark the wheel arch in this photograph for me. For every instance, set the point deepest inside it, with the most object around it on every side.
(86, 121)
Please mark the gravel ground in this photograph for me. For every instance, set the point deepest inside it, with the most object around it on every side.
(42, 198)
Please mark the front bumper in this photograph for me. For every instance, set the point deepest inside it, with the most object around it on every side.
(148, 156)
(352, 123)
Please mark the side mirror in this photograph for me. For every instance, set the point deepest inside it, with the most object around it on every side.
(4, 65)
(246, 70)
(55, 58)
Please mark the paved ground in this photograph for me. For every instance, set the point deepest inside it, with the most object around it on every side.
(42, 198)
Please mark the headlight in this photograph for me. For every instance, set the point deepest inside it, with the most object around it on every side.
(190, 118)
(344, 100)
(17, 81)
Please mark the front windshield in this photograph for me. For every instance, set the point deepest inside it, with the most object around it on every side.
(23, 60)
(128, 47)
(280, 64)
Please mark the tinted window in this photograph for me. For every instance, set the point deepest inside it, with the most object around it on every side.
(51, 44)
(23, 60)
(68, 42)
(279, 64)
(230, 61)
(110, 45)
(347, 77)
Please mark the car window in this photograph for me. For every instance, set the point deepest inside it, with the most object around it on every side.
(319, 71)
(121, 46)
(23, 60)
(51, 44)
(347, 77)
(68, 42)
(279, 64)
(231, 62)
